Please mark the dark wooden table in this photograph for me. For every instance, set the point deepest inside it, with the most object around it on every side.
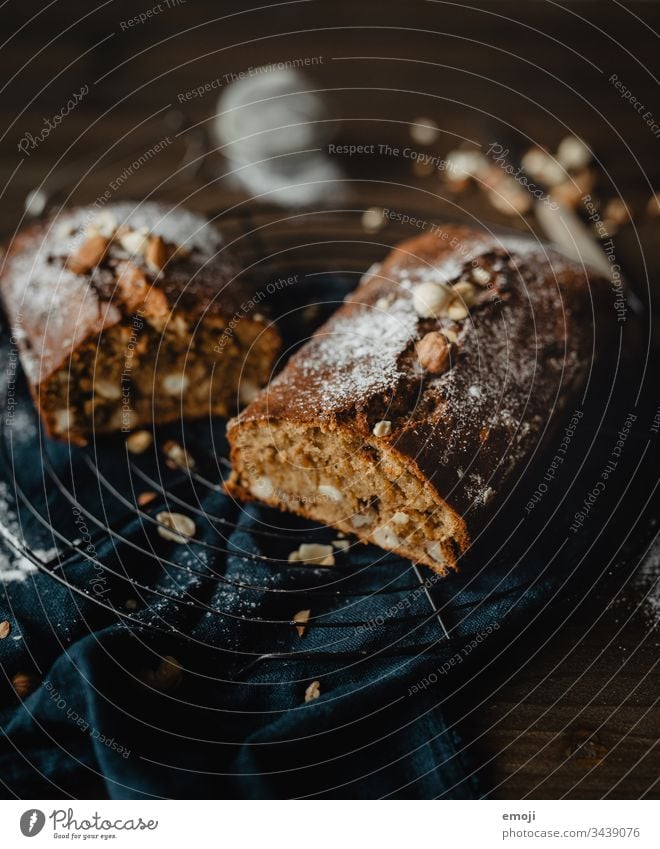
(580, 719)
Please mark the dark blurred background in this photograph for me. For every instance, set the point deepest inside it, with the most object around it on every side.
(430, 77)
(536, 70)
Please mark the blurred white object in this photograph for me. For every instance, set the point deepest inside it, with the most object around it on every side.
(273, 128)
(573, 153)
(424, 131)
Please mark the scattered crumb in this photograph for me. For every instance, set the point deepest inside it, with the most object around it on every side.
(16, 567)
(175, 527)
(313, 691)
(313, 553)
(301, 619)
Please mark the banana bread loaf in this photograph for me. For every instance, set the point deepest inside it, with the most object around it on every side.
(131, 314)
(409, 414)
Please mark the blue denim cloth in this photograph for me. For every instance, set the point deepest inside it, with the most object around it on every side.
(106, 716)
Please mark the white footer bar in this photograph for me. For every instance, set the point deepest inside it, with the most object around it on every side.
(332, 824)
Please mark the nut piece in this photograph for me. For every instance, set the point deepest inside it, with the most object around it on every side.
(177, 456)
(157, 254)
(424, 131)
(572, 190)
(166, 676)
(313, 691)
(104, 224)
(134, 241)
(434, 551)
(313, 553)
(88, 255)
(508, 197)
(175, 383)
(617, 211)
(301, 619)
(373, 219)
(262, 487)
(330, 492)
(480, 276)
(433, 351)
(5, 629)
(132, 285)
(573, 153)
(62, 420)
(540, 165)
(400, 518)
(362, 520)
(24, 683)
(386, 538)
(175, 527)
(106, 389)
(457, 311)
(382, 429)
(465, 291)
(464, 164)
(431, 299)
(139, 441)
(136, 292)
(653, 205)
(145, 498)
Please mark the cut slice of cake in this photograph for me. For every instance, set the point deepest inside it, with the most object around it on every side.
(132, 314)
(412, 411)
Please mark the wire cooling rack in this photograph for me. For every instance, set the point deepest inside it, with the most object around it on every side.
(184, 490)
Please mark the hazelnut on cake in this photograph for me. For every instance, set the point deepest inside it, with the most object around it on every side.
(131, 314)
(408, 415)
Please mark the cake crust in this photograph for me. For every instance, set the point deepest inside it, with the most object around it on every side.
(92, 294)
(519, 329)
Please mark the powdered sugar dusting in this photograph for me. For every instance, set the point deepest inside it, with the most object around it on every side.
(61, 308)
(516, 357)
(15, 567)
(175, 225)
(361, 351)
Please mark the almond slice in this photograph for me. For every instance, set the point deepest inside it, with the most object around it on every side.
(175, 527)
(382, 429)
(433, 352)
(24, 683)
(301, 619)
(88, 255)
(167, 675)
(313, 553)
(177, 456)
(132, 285)
(138, 441)
(157, 254)
(313, 691)
(133, 241)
